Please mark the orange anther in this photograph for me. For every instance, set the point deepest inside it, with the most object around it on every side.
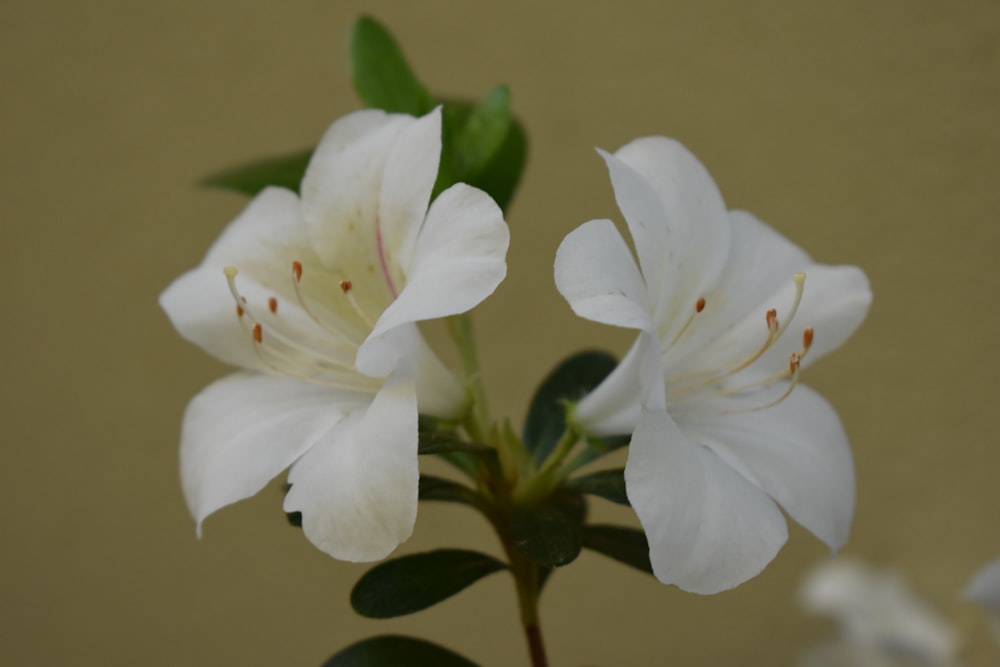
(793, 362)
(297, 270)
(346, 286)
(272, 303)
(700, 305)
(772, 319)
(258, 333)
(239, 310)
(807, 338)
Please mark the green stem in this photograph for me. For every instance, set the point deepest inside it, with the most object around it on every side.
(542, 481)
(460, 327)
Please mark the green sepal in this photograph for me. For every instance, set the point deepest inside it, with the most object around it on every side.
(381, 74)
(396, 650)
(284, 171)
(608, 484)
(549, 533)
(625, 545)
(411, 583)
(570, 381)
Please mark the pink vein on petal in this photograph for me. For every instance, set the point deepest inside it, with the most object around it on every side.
(382, 258)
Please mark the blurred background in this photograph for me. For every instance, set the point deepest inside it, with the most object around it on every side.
(867, 132)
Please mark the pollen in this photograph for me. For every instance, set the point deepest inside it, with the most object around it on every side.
(700, 305)
(772, 320)
(258, 333)
(297, 270)
(793, 362)
(272, 304)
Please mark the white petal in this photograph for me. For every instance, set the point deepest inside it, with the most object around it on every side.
(985, 587)
(797, 452)
(262, 242)
(761, 261)
(709, 529)
(835, 301)
(341, 195)
(596, 274)
(203, 311)
(613, 407)
(458, 260)
(678, 221)
(244, 429)
(357, 487)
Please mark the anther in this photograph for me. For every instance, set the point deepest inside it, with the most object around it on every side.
(297, 270)
(793, 362)
(346, 286)
(258, 333)
(807, 338)
(272, 304)
(700, 305)
(772, 320)
(239, 310)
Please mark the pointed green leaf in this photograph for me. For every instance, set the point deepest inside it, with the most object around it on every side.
(381, 74)
(569, 381)
(501, 175)
(608, 484)
(549, 533)
(396, 650)
(438, 488)
(626, 545)
(285, 171)
(411, 583)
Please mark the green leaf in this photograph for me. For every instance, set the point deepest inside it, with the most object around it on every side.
(569, 381)
(381, 74)
(436, 442)
(548, 533)
(396, 650)
(249, 179)
(411, 583)
(438, 488)
(608, 484)
(501, 175)
(626, 545)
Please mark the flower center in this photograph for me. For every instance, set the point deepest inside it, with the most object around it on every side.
(298, 342)
(711, 380)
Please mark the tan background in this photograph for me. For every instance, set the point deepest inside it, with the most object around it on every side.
(866, 131)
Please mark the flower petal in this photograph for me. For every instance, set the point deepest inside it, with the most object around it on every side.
(596, 274)
(796, 452)
(612, 408)
(671, 202)
(709, 529)
(985, 587)
(244, 429)
(458, 260)
(357, 487)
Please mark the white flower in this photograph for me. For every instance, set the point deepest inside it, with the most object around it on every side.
(882, 622)
(728, 313)
(317, 300)
(985, 587)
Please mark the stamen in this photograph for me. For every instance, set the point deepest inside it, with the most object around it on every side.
(239, 311)
(698, 307)
(793, 366)
(346, 285)
(297, 270)
(348, 288)
(272, 304)
(258, 333)
(807, 338)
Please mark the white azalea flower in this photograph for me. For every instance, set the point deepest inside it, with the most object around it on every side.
(728, 312)
(985, 587)
(882, 622)
(317, 299)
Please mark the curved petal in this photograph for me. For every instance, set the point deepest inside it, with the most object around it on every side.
(985, 587)
(596, 274)
(796, 452)
(458, 260)
(341, 197)
(612, 408)
(244, 429)
(357, 487)
(709, 529)
(671, 202)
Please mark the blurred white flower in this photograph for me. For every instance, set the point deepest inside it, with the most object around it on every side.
(317, 299)
(985, 587)
(729, 312)
(882, 622)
